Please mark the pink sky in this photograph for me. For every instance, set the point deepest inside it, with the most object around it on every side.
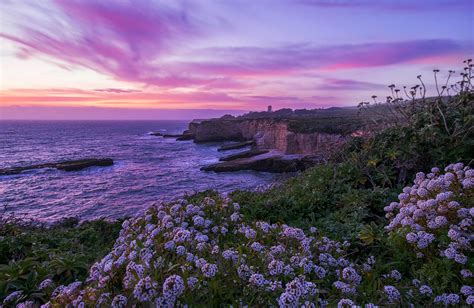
(71, 59)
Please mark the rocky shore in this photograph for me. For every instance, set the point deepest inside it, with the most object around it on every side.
(277, 144)
(70, 165)
(280, 141)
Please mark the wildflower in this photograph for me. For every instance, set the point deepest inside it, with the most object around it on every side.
(145, 289)
(460, 258)
(467, 290)
(103, 299)
(425, 290)
(181, 235)
(250, 233)
(235, 217)
(447, 299)
(396, 275)
(27, 304)
(470, 300)
(12, 297)
(173, 287)
(345, 303)
(198, 221)
(276, 250)
(119, 301)
(465, 273)
(351, 275)
(209, 270)
(256, 246)
(170, 245)
(192, 282)
(287, 300)
(230, 254)
(392, 293)
(45, 284)
(275, 267)
(180, 250)
(201, 238)
(257, 280)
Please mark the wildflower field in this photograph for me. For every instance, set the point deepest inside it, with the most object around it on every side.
(388, 222)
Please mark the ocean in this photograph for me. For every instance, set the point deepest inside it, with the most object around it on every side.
(146, 168)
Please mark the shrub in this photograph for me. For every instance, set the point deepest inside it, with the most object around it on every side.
(334, 197)
(416, 132)
(181, 253)
(62, 253)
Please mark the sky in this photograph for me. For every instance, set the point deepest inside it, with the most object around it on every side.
(150, 59)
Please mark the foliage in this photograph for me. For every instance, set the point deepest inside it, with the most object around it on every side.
(333, 197)
(343, 125)
(419, 132)
(63, 252)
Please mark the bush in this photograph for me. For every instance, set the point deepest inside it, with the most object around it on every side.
(418, 132)
(63, 252)
(333, 197)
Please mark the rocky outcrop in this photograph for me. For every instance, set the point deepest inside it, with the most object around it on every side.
(269, 162)
(266, 134)
(180, 137)
(287, 145)
(244, 154)
(235, 146)
(70, 165)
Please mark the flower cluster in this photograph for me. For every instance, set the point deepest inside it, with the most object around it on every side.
(177, 251)
(179, 254)
(435, 217)
(431, 209)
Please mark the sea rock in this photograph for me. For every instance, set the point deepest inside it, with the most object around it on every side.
(244, 154)
(158, 134)
(234, 146)
(271, 161)
(70, 165)
(185, 136)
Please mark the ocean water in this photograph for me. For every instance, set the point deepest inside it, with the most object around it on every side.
(146, 168)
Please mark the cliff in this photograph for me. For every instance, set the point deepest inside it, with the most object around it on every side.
(268, 134)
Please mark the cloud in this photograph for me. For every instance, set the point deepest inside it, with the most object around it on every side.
(273, 98)
(116, 90)
(59, 97)
(122, 40)
(253, 61)
(103, 113)
(405, 5)
(134, 41)
(348, 84)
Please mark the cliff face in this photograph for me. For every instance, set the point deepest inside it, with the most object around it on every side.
(267, 134)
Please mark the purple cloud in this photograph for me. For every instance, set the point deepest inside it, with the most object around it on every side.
(116, 90)
(132, 41)
(122, 40)
(405, 5)
(247, 61)
(348, 84)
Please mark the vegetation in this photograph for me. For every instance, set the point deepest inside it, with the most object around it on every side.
(63, 252)
(408, 244)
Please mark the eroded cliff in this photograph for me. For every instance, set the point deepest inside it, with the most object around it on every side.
(268, 134)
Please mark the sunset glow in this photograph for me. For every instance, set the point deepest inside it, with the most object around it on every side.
(62, 56)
